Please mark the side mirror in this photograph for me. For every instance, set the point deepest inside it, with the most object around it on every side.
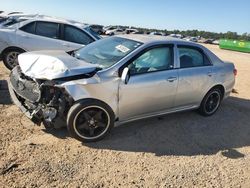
(125, 75)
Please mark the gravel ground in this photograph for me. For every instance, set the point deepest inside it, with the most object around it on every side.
(178, 150)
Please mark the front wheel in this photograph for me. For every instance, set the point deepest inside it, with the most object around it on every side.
(90, 121)
(211, 102)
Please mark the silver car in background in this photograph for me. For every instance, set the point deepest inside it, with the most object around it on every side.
(40, 32)
(119, 79)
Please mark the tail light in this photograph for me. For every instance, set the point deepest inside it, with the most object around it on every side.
(235, 72)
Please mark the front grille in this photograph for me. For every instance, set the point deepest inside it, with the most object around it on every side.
(24, 86)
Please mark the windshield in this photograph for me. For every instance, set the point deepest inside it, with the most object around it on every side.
(13, 21)
(92, 32)
(3, 19)
(106, 52)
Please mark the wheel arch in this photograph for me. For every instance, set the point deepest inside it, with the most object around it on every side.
(221, 88)
(98, 100)
(81, 91)
(201, 106)
(11, 48)
(217, 86)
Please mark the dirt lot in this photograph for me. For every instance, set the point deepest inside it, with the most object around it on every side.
(178, 150)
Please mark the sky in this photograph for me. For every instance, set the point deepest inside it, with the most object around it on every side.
(208, 15)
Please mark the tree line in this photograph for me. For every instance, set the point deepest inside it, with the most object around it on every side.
(204, 34)
(213, 35)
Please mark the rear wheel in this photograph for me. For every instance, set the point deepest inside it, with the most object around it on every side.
(211, 102)
(10, 58)
(90, 121)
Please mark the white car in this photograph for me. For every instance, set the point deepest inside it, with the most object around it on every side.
(216, 42)
(178, 36)
(6, 14)
(191, 39)
(131, 31)
(106, 28)
(156, 33)
(12, 19)
(43, 33)
(116, 31)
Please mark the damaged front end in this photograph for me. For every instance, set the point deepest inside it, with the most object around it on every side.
(36, 84)
(40, 100)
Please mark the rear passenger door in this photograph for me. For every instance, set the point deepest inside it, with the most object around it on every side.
(40, 35)
(75, 38)
(195, 76)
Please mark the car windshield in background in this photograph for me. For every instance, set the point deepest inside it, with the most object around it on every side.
(3, 19)
(92, 32)
(13, 21)
(107, 52)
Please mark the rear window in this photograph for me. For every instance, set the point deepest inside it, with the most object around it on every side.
(92, 32)
(73, 34)
(29, 28)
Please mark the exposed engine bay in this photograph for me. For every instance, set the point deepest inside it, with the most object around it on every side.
(41, 98)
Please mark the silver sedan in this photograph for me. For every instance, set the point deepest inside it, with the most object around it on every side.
(119, 79)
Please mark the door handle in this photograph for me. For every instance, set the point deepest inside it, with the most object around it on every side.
(172, 79)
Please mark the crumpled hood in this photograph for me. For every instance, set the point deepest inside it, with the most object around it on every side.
(50, 65)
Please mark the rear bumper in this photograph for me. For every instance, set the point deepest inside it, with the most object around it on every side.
(32, 116)
(229, 86)
(227, 94)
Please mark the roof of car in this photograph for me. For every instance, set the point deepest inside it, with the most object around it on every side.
(57, 20)
(148, 38)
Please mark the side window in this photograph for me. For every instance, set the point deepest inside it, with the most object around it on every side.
(29, 28)
(190, 57)
(76, 35)
(47, 29)
(156, 59)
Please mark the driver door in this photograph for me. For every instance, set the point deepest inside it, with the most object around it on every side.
(152, 85)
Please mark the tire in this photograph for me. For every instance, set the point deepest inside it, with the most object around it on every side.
(90, 120)
(211, 102)
(10, 58)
